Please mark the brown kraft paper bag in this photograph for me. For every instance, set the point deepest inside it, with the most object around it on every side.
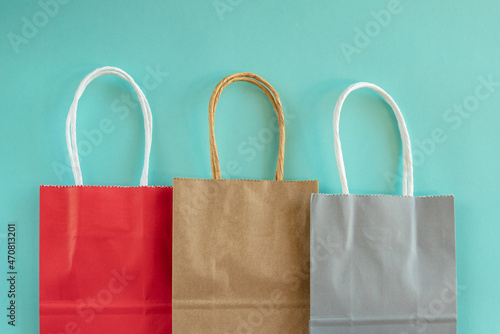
(241, 247)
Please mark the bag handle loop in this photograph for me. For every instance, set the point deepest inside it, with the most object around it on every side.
(407, 160)
(271, 94)
(71, 122)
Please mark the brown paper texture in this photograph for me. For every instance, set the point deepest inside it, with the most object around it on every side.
(241, 256)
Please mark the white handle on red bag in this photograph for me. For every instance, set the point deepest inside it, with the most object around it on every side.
(71, 122)
(407, 161)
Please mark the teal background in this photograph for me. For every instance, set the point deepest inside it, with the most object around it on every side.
(429, 56)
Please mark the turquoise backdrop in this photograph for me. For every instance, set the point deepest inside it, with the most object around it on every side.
(440, 60)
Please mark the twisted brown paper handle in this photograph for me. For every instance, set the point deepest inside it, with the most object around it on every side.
(271, 94)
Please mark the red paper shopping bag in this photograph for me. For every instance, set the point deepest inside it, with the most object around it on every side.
(105, 251)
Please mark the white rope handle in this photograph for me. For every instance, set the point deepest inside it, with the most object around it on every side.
(407, 161)
(71, 122)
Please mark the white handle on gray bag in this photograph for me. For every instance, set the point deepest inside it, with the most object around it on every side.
(71, 122)
(407, 161)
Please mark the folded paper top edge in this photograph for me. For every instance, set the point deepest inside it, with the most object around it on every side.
(380, 195)
(254, 180)
(98, 186)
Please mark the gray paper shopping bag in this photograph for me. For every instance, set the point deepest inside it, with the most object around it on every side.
(382, 264)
